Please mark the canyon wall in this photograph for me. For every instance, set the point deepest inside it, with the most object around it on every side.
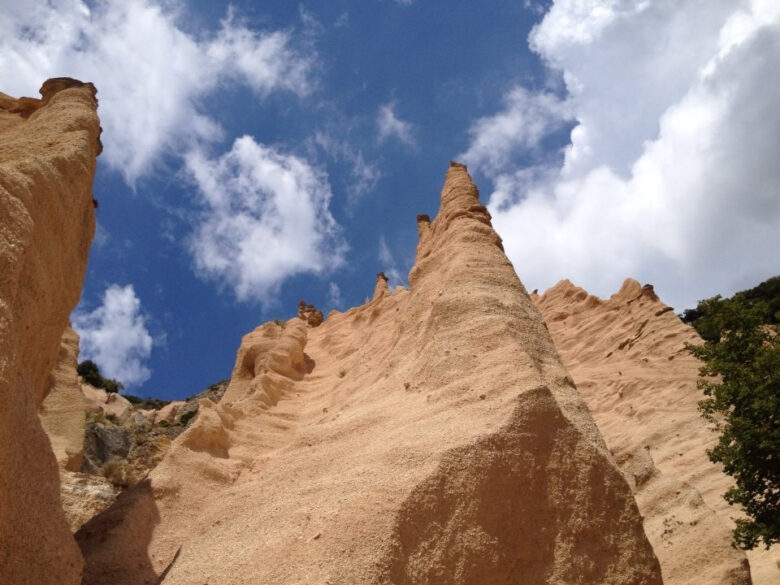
(63, 409)
(48, 150)
(430, 436)
(627, 356)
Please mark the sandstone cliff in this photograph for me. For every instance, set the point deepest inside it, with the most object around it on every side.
(62, 411)
(47, 163)
(627, 357)
(429, 436)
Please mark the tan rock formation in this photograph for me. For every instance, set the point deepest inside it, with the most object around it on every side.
(62, 412)
(168, 412)
(627, 357)
(381, 288)
(47, 163)
(108, 403)
(310, 314)
(431, 436)
(84, 496)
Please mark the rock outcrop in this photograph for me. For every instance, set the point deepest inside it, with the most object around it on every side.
(310, 314)
(47, 164)
(84, 496)
(627, 357)
(99, 401)
(62, 411)
(430, 436)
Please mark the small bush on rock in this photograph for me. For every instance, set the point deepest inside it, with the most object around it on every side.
(91, 374)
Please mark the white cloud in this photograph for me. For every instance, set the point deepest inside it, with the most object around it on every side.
(150, 73)
(390, 125)
(311, 24)
(266, 218)
(526, 120)
(335, 300)
(365, 174)
(114, 335)
(670, 174)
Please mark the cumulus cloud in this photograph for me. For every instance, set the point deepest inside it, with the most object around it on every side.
(150, 70)
(389, 125)
(265, 218)
(669, 174)
(114, 335)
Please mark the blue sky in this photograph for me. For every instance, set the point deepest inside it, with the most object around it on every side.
(261, 153)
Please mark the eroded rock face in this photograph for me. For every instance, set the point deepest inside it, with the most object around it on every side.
(104, 443)
(107, 403)
(627, 356)
(47, 164)
(431, 436)
(62, 411)
(84, 496)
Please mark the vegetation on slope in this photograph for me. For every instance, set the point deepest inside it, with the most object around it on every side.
(767, 293)
(740, 378)
(91, 374)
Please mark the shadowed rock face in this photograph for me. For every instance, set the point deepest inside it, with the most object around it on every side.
(47, 164)
(430, 436)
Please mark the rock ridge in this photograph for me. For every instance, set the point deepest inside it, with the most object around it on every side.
(431, 435)
(627, 355)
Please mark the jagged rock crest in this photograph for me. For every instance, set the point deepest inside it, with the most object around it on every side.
(429, 436)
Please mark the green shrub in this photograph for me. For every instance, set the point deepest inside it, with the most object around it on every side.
(96, 417)
(117, 473)
(91, 374)
(217, 385)
(766, 295)
(186, 417)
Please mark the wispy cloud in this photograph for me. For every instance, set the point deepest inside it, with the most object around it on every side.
(389, 125)
(670, 167)
(364, 174)
(150, 70)
(114, 335)
(389, 265)
(265, 219)
(335, 300)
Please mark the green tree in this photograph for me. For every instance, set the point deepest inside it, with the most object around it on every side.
(768, 292)
(741, 381)
(91, 374)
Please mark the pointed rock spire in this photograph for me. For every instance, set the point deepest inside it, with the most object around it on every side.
(381, 287)
(459, 205)
(465, 434)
